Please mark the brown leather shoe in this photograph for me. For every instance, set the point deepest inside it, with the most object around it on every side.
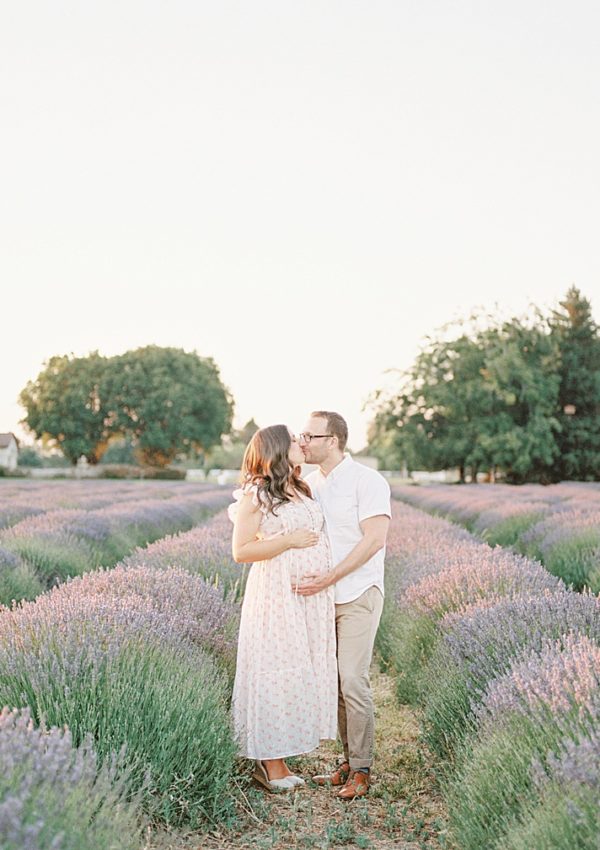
(356, 786)
(339, 776)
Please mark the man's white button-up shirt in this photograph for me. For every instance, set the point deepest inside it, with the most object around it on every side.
(349, 494)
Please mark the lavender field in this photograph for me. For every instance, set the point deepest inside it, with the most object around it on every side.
(504, 659)
(116, 671)
(558, 524)
(123, 654)
(52, 530)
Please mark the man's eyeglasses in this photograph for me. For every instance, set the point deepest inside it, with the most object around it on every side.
(308, 437)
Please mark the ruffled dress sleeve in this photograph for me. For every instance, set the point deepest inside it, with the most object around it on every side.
(239, 494)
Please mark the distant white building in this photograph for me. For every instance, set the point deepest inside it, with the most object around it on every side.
(442, 476)
(9, 451)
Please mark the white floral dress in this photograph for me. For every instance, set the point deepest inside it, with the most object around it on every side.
(285, 689)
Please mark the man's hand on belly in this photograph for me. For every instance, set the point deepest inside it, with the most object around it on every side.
(374, 531)
(311, 584)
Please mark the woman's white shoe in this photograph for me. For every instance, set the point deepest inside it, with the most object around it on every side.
(285, 784)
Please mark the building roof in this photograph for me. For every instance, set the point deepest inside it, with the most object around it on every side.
(6, 438)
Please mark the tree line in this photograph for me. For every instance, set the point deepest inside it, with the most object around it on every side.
(165, 401)
(519, 397)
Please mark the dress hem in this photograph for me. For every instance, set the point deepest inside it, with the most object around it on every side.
(288, 755)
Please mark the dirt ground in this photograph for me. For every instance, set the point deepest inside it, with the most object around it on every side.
(403, 810)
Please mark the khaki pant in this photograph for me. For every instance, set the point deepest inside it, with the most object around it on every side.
(356, 626)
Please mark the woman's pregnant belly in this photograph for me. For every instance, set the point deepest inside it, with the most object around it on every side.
(314, 560)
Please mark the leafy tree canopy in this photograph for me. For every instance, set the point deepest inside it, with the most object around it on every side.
(577, 336)
(521, 395)
(165, 400)
(64, 408)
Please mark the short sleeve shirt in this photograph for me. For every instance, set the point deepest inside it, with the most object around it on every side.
(349, 494)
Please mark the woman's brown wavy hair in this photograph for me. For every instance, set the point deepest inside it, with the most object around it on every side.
(267, 465)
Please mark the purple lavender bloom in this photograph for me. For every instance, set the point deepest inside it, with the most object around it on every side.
(97, 525)
(420, 545)
(150, 515)
(70, 541)
(86, 619)
(482, 507)
(503, 636)
(136, 656)
(189, 608)
(559, 525)
(435, 566)
(483, 644)
(205, 551)
(8, 559)
(578, 763)
(562, 679)
(486, 574)
(479, 508)
(568, 542)
(50, 524)
(565, 811)
(54, 796)
(487, 639)
(13, 513)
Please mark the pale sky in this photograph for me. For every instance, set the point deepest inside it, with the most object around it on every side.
(300, 190)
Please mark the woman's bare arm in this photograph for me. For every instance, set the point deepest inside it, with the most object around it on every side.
(245, 546)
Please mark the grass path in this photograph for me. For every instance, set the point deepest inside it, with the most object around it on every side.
(404, 809)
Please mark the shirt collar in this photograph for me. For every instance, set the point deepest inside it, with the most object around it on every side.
(339, 469)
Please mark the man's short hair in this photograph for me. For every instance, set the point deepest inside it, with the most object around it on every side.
(336, 425)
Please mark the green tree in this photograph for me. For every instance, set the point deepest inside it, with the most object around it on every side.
(382, 434)
(230, 453)
(520, 380)
(30, 457)
(578, 408)
(482, 400)
(246, 433)
(64, 407)
(120, 450)
(168, 400)
(435, 419)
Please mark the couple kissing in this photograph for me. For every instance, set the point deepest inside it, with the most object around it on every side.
(312, 603)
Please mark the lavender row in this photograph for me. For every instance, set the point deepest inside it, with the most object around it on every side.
(44, 549)
(139, 659)
(119, 653)
(558, 525)
(505, 661)
(19, 500)
(204, 551)
(55, 794)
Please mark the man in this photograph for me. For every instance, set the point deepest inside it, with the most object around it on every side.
(356, 504)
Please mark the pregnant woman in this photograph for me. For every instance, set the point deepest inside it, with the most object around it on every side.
(285, 690)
